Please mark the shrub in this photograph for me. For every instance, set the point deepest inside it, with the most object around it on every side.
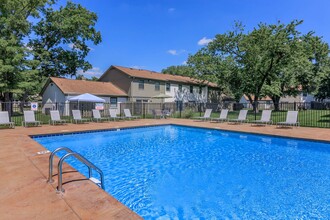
(187, 113)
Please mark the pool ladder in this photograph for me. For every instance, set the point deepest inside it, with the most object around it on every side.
(71, 153)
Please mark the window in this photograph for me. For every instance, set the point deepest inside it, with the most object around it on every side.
(141, 84)
(141, 100)
(157, 86)
(113, 102)
(168, 87)
(200, 90)
(191, 89)
(180, 88)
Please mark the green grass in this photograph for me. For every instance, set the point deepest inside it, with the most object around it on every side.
(307, 118)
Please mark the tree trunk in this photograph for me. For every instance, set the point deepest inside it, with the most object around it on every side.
(8, 105)
(276, 101)
(255, 104)
(23, 101)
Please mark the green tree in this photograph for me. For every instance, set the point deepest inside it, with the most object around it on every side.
(305, 68)
(14, 27)
(82, 77)
(182, 70)
(94, 78)
(324, 89)
(23, 66)
(69, 26)
(270, 60)
(209, 66)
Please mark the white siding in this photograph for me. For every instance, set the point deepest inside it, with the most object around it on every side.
(122, 99)
(243, 100)
(298, 98)
(186, 89)
(173, 89)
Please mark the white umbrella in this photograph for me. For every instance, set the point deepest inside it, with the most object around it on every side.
(86, 98)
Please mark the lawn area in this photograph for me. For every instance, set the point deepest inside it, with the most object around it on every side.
(307, 118)
(18, 118)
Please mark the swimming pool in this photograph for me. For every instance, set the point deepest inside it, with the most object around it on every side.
(183, 172)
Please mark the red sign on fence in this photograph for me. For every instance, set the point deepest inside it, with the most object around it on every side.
(99, 106)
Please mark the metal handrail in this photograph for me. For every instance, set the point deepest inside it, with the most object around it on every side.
(51, 157)
(84, 161)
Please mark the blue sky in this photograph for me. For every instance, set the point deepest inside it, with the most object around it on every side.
(156, 34)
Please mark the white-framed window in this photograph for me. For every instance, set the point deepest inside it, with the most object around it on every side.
(157, 86)
(168, 87)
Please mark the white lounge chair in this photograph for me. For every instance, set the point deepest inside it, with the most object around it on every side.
(223, 116)
(97, 116)
(55, 118)
(241, 117)
(29, 118)
(265, 118)
(77, 117)
(4, 119)
(113, 114)
(207, 115)
(291, 120)
(128, 114)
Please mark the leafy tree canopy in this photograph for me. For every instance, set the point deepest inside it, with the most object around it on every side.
(272, 60)
(34, 39)
(182, 70)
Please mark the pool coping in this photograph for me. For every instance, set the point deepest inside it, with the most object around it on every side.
(260, 134)
(25, 147)
(182, 125)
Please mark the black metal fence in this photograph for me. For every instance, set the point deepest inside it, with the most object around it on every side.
(311, 114)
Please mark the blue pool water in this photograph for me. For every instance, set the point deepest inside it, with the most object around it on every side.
(176, 172)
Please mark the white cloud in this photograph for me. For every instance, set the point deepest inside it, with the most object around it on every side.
(176, 52)
(137, 67)
(184, 62)
(204, 41)
(71, 45)
(172, 52)
(95, 71)
(171, 10)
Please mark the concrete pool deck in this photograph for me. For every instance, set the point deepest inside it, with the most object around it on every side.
(25, 194)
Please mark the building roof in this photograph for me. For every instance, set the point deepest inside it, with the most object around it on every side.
(71, 86)
(147, 74)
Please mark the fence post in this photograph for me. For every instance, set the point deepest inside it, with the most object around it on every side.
(180, 108)
(255, 109)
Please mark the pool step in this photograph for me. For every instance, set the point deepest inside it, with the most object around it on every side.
(96, 181)
(70, 153)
